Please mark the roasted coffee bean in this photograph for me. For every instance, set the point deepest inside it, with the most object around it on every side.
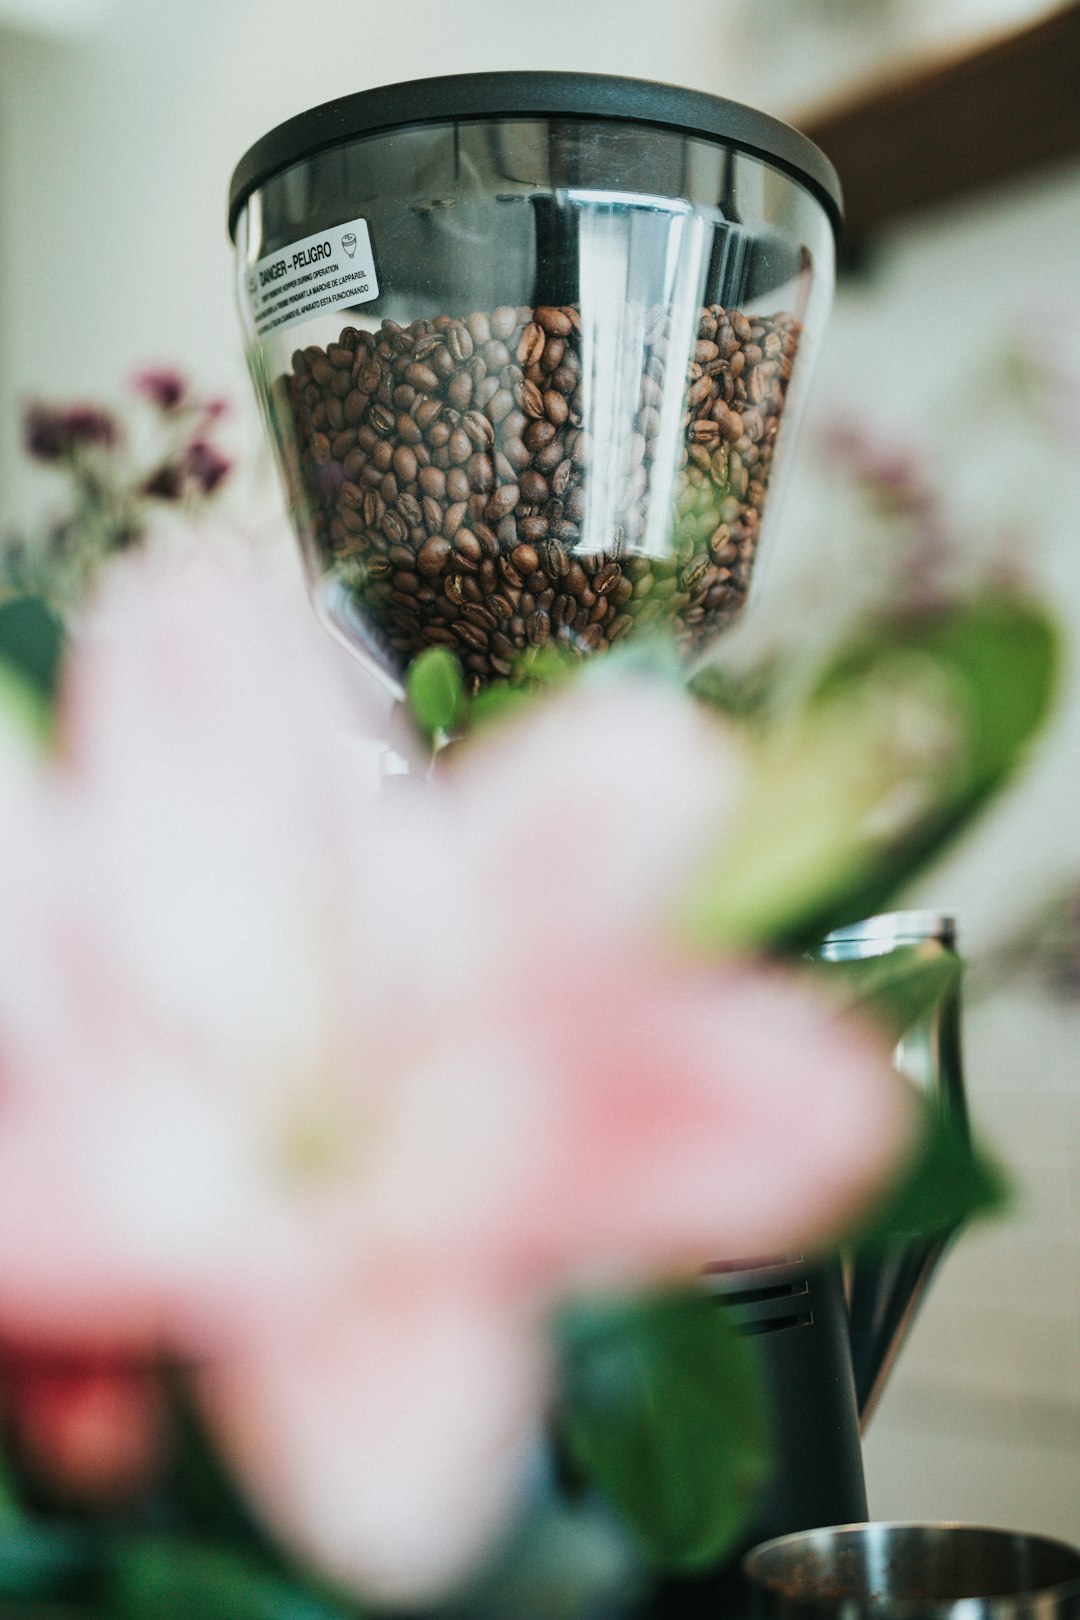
(502, 503)
(531, 345)
(516, 454)
(504, 321)
(459, 447)
(480, 472)
(555, 321)
(530, 399)
(467, 546)
(479, 429)
(555, 407)
(432, 556)
(459, 341)
(539, 434)
(556, 560)
(534, 488)
(549, 458)
(499, 406)
(532, 529)
(471, 634)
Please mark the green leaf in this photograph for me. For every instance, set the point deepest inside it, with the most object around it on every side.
(566, 1559)
(848, 797)
(744, 694)
(206, 1495)
(435, 691)
(898, 988)
(39, 1560)
(32, 643)
(662, 1410)
(947, 1182)
(536, 670)
(829, 792)
(10, 1510)
(498, 702)
(177, 1580)
(1004, 651)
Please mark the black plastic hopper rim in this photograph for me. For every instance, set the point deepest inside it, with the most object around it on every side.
(540, 95)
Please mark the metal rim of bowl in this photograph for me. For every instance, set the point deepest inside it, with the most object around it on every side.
(920, 1607)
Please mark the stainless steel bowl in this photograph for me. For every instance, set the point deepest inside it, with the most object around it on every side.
(915, 1572)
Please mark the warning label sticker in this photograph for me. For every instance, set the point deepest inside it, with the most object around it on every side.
(321, 273)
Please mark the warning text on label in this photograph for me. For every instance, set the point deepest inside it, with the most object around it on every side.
(332, 270)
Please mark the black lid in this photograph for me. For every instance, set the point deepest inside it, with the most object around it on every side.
(541, 95)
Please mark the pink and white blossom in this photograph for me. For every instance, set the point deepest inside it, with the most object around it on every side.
(337, 1093)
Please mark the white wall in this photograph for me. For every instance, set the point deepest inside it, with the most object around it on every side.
(117, 151)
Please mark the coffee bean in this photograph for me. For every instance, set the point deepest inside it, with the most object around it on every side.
(555, 407)
(502, 502)
(479, 429)
(556, 559)
(471, 634)
(478, 327)
(467, 546)
(539, 434)
(422, 377)
(504, 322)
(555, 321)
(530, 399)
(410, 509)
(516, 454)
(459, 391)
(531, 346)
(459, 447)
(534, 488)
(532, 529)
(432, 556)
(499, 406)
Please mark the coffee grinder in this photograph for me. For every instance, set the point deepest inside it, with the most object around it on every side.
(529, 346)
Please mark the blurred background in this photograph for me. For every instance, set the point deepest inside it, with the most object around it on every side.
(943, 442)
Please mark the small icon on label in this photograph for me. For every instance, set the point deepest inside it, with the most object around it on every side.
(253, 284)
(348, 242)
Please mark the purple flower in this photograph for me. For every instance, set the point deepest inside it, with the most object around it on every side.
(207, 466)
(162, 386)
(167, 484)
(55, 435)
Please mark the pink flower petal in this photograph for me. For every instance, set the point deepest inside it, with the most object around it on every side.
(387, 1439)
(703, 1117)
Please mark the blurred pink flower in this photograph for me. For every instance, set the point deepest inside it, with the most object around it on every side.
(338, 1093)
(57, 434)
(163, 386)
(206, 466)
